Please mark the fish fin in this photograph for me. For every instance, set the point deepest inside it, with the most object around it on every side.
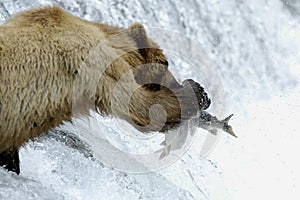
(162, 155)
(227, 118)
(159, 150)
(227, 128)
(165, 152)
(230, 131)
(164, 143)
(168, 149)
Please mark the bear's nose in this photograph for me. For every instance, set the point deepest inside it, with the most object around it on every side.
(166, 63)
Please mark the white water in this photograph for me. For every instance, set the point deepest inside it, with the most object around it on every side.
(256, 46)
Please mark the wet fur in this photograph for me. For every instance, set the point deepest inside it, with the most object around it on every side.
(45, 52)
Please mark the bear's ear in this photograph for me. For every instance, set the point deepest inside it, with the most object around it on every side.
(137, 32)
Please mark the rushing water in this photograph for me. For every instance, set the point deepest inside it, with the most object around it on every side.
(255, 45)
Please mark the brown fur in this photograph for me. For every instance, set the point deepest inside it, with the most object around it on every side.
(45, 53)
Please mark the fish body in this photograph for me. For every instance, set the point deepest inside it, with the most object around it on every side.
(212, 123)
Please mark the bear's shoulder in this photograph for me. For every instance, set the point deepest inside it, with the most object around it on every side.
(44, 16)
(48, 25)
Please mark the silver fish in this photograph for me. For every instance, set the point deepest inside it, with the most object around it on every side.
(174, 140)
(212, 123)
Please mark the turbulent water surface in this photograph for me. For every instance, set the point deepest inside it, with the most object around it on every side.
(255, 45)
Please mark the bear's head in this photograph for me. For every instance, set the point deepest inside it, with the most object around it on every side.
(153, 70)
(152, 96)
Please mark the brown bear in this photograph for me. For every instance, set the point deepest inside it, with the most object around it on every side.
(51, 62)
